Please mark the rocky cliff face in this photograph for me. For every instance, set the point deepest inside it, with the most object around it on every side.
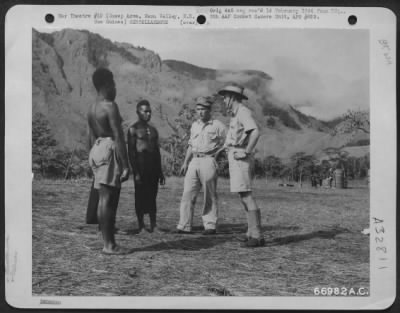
(63, 63)
(147, 59)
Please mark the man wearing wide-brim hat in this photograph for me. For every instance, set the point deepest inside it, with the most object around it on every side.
(240, 142)
(207, 136)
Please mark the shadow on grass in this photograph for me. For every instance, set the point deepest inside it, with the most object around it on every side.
(226, 229)
(190, 244)
(195, 241)
(228, 233)
(324, 234)
(223, 229)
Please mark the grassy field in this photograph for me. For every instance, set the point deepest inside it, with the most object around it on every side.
(313, 240)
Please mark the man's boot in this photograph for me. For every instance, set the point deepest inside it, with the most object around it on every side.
(259, 220)
(246, 237)
(255, 237)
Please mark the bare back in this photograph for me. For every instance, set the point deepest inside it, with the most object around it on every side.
(99, 119)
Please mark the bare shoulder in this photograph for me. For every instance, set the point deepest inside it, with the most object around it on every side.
(112, 112)
(91, 111)
(109, 106)
(132, 130)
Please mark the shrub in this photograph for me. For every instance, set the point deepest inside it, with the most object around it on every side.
(271, 122)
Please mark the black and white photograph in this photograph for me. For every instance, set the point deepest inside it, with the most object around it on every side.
(202, 162)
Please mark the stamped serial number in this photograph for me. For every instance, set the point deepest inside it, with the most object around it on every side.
(341, 291)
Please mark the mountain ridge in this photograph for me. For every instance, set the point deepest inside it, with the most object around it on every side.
(63, 62)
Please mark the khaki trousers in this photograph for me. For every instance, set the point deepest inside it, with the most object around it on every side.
(200, 172)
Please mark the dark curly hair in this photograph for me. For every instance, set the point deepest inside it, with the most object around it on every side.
(142, 102)
(102, 77)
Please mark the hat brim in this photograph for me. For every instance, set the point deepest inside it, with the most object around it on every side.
(224, 92)
(208, 106)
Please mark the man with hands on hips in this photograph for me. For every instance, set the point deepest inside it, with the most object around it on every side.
(240, 142)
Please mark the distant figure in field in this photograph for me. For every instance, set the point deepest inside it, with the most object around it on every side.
(320, 179)
(108, 157)
(330, 177)
(145, 159)
(240, 142)
(315, 180)
(200, 169)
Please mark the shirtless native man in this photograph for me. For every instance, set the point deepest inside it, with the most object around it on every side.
(108, 157)
(145, 159)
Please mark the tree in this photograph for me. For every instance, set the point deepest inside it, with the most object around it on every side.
(271, 122)
(286, 173)
(51, 161)
(273, 165)
(302, 164)
(78, 164)
(176, 143)
(70, 164)
(337, 157)
(324, 168)
(258, 168)
(353, 121)
(43, 144)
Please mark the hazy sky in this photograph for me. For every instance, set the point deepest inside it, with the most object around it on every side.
(321, 72)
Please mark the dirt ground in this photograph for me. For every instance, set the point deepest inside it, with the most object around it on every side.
(313, 240)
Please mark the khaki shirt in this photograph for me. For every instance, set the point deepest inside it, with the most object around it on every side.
(207, 137)
(241, 123)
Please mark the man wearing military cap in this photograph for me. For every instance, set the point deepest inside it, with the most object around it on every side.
(200, 169)
(240, 142)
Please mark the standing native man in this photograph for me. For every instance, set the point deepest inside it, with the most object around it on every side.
(240, 141)
(145, 159)
(206, 138)
(108, 157)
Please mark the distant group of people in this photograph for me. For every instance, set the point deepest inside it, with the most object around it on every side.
(327, 180)
(110, 159)
(316, 180)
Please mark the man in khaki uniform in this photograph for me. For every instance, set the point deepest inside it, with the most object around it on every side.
(240, 142)
(206, 139)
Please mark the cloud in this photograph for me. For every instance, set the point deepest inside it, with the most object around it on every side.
(294, 83)
(322, 96)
